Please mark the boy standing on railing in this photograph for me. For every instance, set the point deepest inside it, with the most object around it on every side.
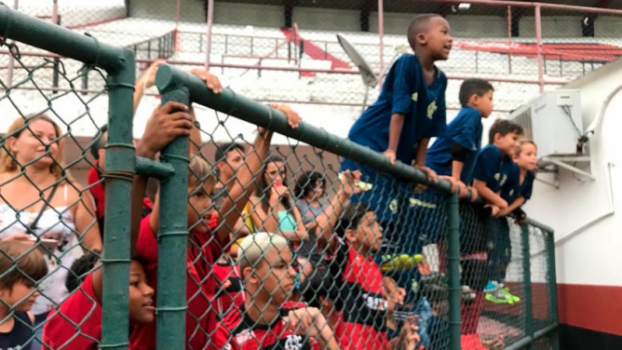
(409, 111)
(454, 155)
(516, 191)
(492, 168)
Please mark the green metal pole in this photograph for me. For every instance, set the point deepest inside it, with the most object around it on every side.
(527, 295)
(453, 257)
(173, 236)
(120, 166)
(259, 114)
(552, 277)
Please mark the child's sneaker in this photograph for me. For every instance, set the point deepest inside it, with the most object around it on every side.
(498, 297)
(491, 287)
(506, 291)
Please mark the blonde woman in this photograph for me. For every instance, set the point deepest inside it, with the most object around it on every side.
(37, 199)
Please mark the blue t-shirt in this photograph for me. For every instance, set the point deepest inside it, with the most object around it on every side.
(514, 189)
(466, 129)
(493, 167)
(404, 91)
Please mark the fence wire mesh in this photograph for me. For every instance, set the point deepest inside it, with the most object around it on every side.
(50, 233)
(324, 272)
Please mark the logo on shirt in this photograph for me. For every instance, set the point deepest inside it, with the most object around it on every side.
(503, 179)
(393, 206)
(431, 109)
(511, 193)
(415, 96)
(293, 342)
(497, 176)
(243, 336)
(375, 303)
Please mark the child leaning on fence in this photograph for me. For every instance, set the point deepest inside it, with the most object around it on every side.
(516, 191)
(492, 168)
(453, 156)
(21, 267)
(409, 111)
(267, 320)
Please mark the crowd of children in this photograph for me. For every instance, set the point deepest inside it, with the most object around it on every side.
(270, 267)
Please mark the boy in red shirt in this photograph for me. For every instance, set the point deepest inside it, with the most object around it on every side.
(210, 234)
(267, 320)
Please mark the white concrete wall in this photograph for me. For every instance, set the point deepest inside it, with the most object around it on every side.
(190, 10)
(248, 14)
(588, 236)
(327, 19)
(552, 27)
(75, 12)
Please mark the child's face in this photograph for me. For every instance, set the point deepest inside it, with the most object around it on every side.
(275, 173)
(484, 104)
(507, 143)
(141, 296)
(200, 209)
(527, 158)
(437, 38)
(276, 274)
(369, 232)
(21, 296)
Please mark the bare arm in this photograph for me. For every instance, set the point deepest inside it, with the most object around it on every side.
(422, 149)
(516, 204)
(488, 195)
(245, 184)
(395, 129)
(86, 223)
(146, 81)
(456, 169)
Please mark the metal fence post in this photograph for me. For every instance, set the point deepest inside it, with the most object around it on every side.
(173, 235)
(120, 166)
(540, 60)
(552, 279)
(527, 295)
(453, 257)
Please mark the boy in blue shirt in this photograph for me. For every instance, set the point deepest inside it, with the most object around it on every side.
(453, 156)
(516, 191)
(492, 168)
(409, 111)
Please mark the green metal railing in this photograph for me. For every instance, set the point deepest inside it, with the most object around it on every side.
(121, 165)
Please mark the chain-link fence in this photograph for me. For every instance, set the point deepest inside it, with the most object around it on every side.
(228, 284)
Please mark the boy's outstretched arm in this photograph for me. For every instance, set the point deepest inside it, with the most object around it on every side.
(162, 128)
(515, 205)
(245, 184)
(145, 82)
(395, 130)
(488, 195)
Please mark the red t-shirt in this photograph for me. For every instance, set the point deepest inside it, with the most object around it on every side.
(79, 321)
(362, 308)
(237, 331)
(203, 253)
